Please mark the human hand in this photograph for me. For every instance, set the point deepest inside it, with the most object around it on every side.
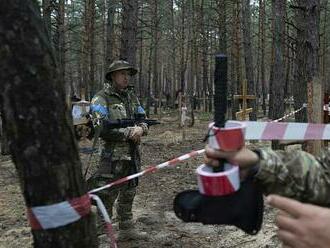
(135, 134)
(301, 225)
(244, 158)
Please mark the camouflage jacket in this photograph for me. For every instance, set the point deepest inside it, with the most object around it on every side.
(296, 175)
(109, 104)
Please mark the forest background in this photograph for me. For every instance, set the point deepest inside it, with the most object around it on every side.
(277, 46)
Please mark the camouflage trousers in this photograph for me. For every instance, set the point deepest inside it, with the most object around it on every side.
(110, 171)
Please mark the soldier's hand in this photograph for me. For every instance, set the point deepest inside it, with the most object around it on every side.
(301, 225)
(135, 134)
(244, 158)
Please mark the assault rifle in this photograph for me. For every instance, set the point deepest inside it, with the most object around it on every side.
(119, 123)
(122, 123)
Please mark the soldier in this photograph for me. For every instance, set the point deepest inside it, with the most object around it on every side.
(296, 175)
(120, 154)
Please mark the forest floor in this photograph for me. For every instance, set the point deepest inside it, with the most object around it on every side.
(153, 206)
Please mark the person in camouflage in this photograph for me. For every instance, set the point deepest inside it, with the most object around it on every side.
(120, 155)
(297, 175)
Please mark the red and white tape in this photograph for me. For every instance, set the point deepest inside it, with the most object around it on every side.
(286, 131)
(290, 114)
(67, 212)
(59, 214)
(150, 170)
(108, 225)
(229, 138)
(218, 183)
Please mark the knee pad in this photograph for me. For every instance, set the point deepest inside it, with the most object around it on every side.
(243, 209)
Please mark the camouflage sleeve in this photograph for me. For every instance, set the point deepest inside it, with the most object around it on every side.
(295, 174)
(101, 112)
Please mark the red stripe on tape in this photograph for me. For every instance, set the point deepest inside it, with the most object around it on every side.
(217, 185)
(274, 130)
(151, 169)
(314, 131)
(34, 223)
(111, 234)
(81, 204)
(173, 161)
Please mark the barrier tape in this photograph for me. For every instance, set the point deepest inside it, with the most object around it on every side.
(286, 131)
(108, 225)
(150, 170)
(59, 214)
(290, 114)
(67, 212)
(225, 182)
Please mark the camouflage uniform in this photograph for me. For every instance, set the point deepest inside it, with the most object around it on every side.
(120, 157)
(296, 175)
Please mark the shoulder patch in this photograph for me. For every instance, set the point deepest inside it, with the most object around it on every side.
(100, 109)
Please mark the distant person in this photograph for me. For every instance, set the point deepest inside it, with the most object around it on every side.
(120, 154)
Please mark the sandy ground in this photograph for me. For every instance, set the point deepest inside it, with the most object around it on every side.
(153, 207)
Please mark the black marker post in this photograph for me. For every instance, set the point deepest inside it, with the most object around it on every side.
(220, 97)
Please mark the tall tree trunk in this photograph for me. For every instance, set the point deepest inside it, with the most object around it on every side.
(92, 82)
(59, 37)
(173, 55)
(262, 17)
(149, 82)
(88, 51)
(183, 64)
(38, 124)
(287, 59)
(206, 92)
(155, 38)
(46, 12)
(237, 54)
(307, 70)
(323, 47)
(278, 82)
(279, 70)
(129, 31)
(191, 72)
(222, 25)
(306, 67)
(248, 55)
(109, 32)
(141, 86)
(272, 64)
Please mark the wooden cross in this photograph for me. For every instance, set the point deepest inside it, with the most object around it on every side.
(244, 112)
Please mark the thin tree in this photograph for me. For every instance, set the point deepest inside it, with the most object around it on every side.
(129, 31)
(278, 77)
(109, 32)
(248, 55)
(46, 15)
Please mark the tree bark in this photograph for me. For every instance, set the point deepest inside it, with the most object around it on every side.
(4, 146)
(262, 17)
(278, 82)
(38, 124)
(109, 33)
(46, 11)
(129, 31)
(248, 56)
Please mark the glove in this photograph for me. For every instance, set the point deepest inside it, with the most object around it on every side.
(135, 134)
(144, 128)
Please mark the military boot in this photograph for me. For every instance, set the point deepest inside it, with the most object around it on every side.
(127, 232)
